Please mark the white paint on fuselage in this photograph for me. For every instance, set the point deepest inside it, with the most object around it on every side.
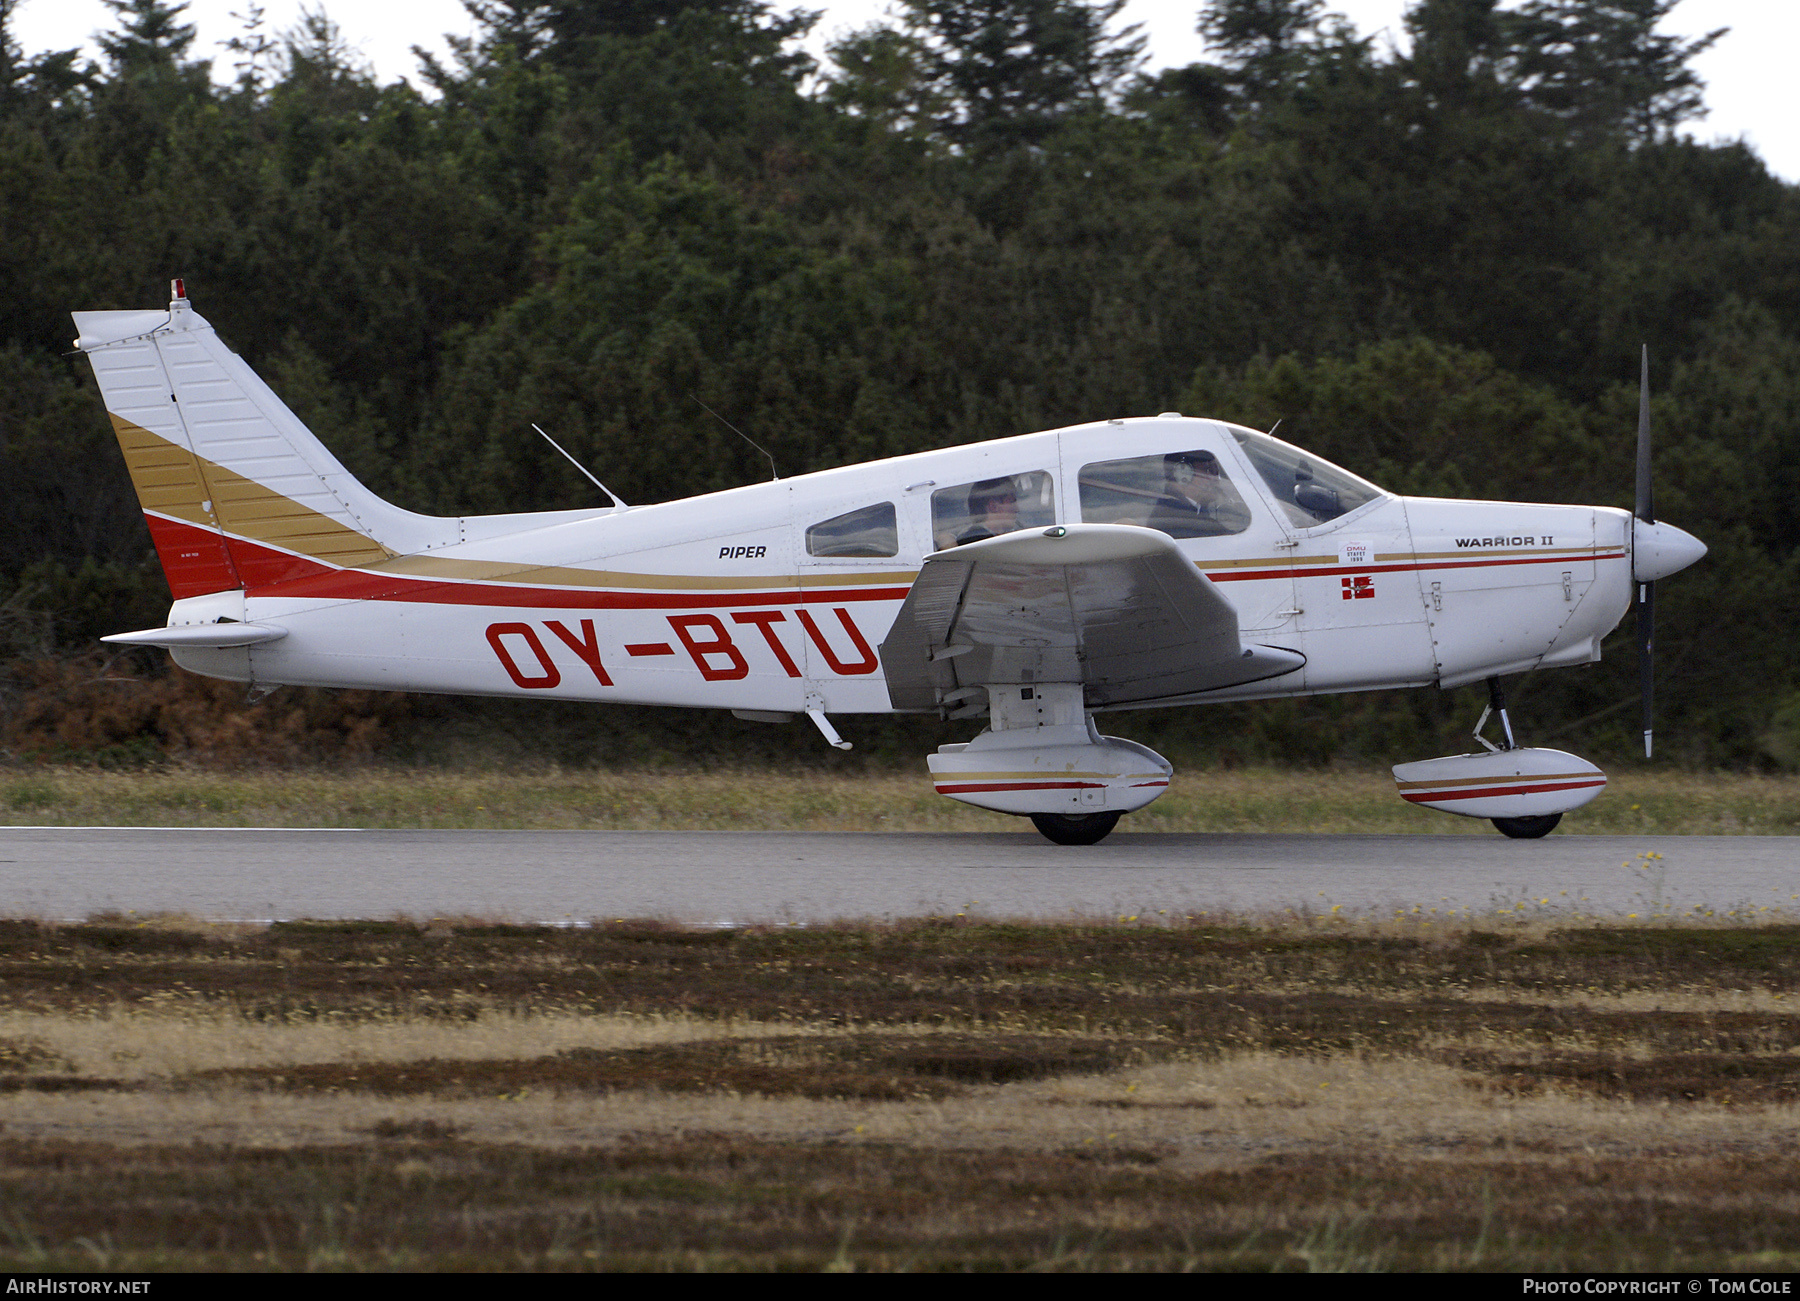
(1402, 591)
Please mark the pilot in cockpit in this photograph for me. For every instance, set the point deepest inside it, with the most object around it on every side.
(1197, 499)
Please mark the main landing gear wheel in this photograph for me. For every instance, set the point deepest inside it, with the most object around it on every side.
(1082, 828)
(1527, 828)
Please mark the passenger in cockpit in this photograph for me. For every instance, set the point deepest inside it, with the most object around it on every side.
(993, 510)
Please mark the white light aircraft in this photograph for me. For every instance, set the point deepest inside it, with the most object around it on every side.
(1035, 581)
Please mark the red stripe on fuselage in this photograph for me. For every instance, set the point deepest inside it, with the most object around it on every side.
(1327, 571)
(312, 580)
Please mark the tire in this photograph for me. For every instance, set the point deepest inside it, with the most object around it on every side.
(1527, 828)
(1075, 829)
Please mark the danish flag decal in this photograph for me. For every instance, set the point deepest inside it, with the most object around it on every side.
(1356, 589)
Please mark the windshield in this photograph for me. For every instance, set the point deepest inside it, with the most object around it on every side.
(1311, 491)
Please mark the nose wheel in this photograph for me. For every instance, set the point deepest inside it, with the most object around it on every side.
(1527, 828)
(1075, 829)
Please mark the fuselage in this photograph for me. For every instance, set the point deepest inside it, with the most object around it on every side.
(776, 595)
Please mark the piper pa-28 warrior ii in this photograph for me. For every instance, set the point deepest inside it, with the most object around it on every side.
(1033, 581)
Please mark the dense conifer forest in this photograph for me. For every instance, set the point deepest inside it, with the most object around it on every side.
(1432, 264)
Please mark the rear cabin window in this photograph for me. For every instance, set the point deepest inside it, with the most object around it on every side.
(1310, 491)
(987, 508)
(870, 532)
(1183, 494)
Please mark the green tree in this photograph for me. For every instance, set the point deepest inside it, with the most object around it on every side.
(1597, 68)
(1419, 417)
(322, 97)
(149, 83)
(656, 298)
(150, 43)
(35, 89)
(1007, 72)
(1602, 68)
(1459, 58)
(255, 48)
(576, 32)
(1264, 44)
(880, 76)
(522, 27)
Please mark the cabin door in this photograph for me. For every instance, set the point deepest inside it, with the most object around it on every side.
(1187, 479)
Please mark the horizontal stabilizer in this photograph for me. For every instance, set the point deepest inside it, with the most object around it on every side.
(193, 635)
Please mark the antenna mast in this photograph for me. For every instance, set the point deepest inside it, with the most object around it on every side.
(617, 504)
(741, 434)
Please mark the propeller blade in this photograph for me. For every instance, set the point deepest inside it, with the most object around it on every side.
(1646, 502)
(1646, 631)
(1646, 591)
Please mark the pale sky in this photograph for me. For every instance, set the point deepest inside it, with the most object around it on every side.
(1745, 73)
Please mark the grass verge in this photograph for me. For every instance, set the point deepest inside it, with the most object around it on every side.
(1204, 1093)
(1242, 800)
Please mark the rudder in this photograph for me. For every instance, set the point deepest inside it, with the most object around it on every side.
(238, 493)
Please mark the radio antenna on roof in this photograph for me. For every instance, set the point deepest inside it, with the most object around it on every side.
(579, 466)
(741, 434)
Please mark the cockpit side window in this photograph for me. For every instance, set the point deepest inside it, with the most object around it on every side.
(871, 531)
(1310, 491)
(1184, 494)
(987, 508)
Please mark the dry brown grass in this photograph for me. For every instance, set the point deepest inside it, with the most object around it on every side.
(102, 708)
(1207, 1094)
(181, 1036)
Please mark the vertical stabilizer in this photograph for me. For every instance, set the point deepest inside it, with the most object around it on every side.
(237, 492)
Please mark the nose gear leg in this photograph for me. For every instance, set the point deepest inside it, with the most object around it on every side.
(1496, 704)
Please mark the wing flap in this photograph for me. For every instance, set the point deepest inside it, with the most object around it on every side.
(1116, 608)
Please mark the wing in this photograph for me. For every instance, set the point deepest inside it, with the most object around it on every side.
(1114, 607)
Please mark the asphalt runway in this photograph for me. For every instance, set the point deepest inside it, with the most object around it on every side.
(727, 878)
